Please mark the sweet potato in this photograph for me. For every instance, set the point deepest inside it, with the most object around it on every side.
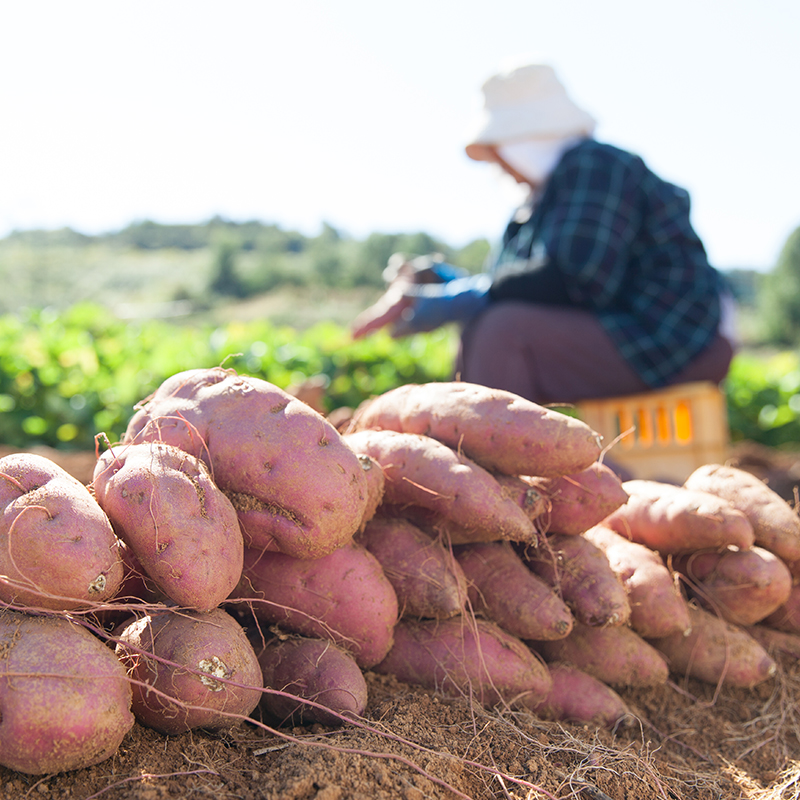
(674, 519)
(57, 547)
(787, 616)
(717, 652)
(65, 701)
(296, 486)
(775, 641)
(616, 655)
(376, 485)
(579, 697)
(137, 593)
(741, 586)
(311, 669)
(344, 597)
(464, 500)
(190, 669)
(533, 502)
(182, 529)
(499, 430)
(658, 607)
(426, 578)
(775, 524)
(464, 657)
(581, 500)
(582, 575)
(503, 589)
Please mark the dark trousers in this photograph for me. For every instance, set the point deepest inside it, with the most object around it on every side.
(552, 354)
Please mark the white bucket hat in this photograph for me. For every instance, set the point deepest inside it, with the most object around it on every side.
(528, 102)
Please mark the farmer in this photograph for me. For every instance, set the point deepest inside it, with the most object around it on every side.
(599, 286)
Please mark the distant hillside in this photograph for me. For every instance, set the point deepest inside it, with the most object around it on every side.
(200, 267)
(221, 267)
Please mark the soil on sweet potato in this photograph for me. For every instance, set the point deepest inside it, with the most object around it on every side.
(685, 740)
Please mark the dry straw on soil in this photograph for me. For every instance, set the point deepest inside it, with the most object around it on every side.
(684, 740)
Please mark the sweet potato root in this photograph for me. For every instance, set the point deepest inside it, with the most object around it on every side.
(534, 503)
(775, 524)
(503, 589)
(315, 670)
(376, 485)
(616, 655)
(775, 641)
(65, 701)
(581, 573)
(499, 430)
(716, 652)
(428, 581)
(344, 597)
(463, 499)
(581, 500)
(57, 547)
(787, 616)
(674, 519)
(462, 657)
(190, 670)
(579, 697)
(658, 607)
(182, 529)
(296, 486)
(741, 586)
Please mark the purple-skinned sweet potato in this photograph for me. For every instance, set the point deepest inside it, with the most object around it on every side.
(776, 525)
(376, 485)
(581, 574)
(58, 550)
(296, 486)
(301, 669)
(787, 616)
(616, 655)
(741, 586)
(503, 589)
(658, 607)
(344, 597)
(65, 701)
(427, 580)
(581, 500)
(189, 669)
(497, 429)
(775, 641)
(716, 652)
(461, 498)
(182, 529)
(534, 503)
(465, 657)
(581, 698)
(674, 519)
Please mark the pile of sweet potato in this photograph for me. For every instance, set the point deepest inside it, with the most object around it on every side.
(237, 554)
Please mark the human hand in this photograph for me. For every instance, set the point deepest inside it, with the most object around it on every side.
(388, 310)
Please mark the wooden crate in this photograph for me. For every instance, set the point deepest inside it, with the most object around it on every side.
(664, 434)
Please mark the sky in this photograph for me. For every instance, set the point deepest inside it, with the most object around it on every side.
(356, 112)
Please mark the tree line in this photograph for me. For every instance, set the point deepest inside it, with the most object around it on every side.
(224, 259)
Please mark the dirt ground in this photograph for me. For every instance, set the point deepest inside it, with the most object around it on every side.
(683, 740)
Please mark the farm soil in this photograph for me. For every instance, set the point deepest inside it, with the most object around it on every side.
(682, 740)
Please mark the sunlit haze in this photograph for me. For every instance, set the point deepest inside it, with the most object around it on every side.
(355, 112)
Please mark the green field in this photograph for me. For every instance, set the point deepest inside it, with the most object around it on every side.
(89, 326)
(67, 377)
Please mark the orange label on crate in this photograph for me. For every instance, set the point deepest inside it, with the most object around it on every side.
(645, 427)
(662, 425)
(683, 422)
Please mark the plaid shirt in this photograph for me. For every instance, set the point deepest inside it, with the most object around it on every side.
(610, 236)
